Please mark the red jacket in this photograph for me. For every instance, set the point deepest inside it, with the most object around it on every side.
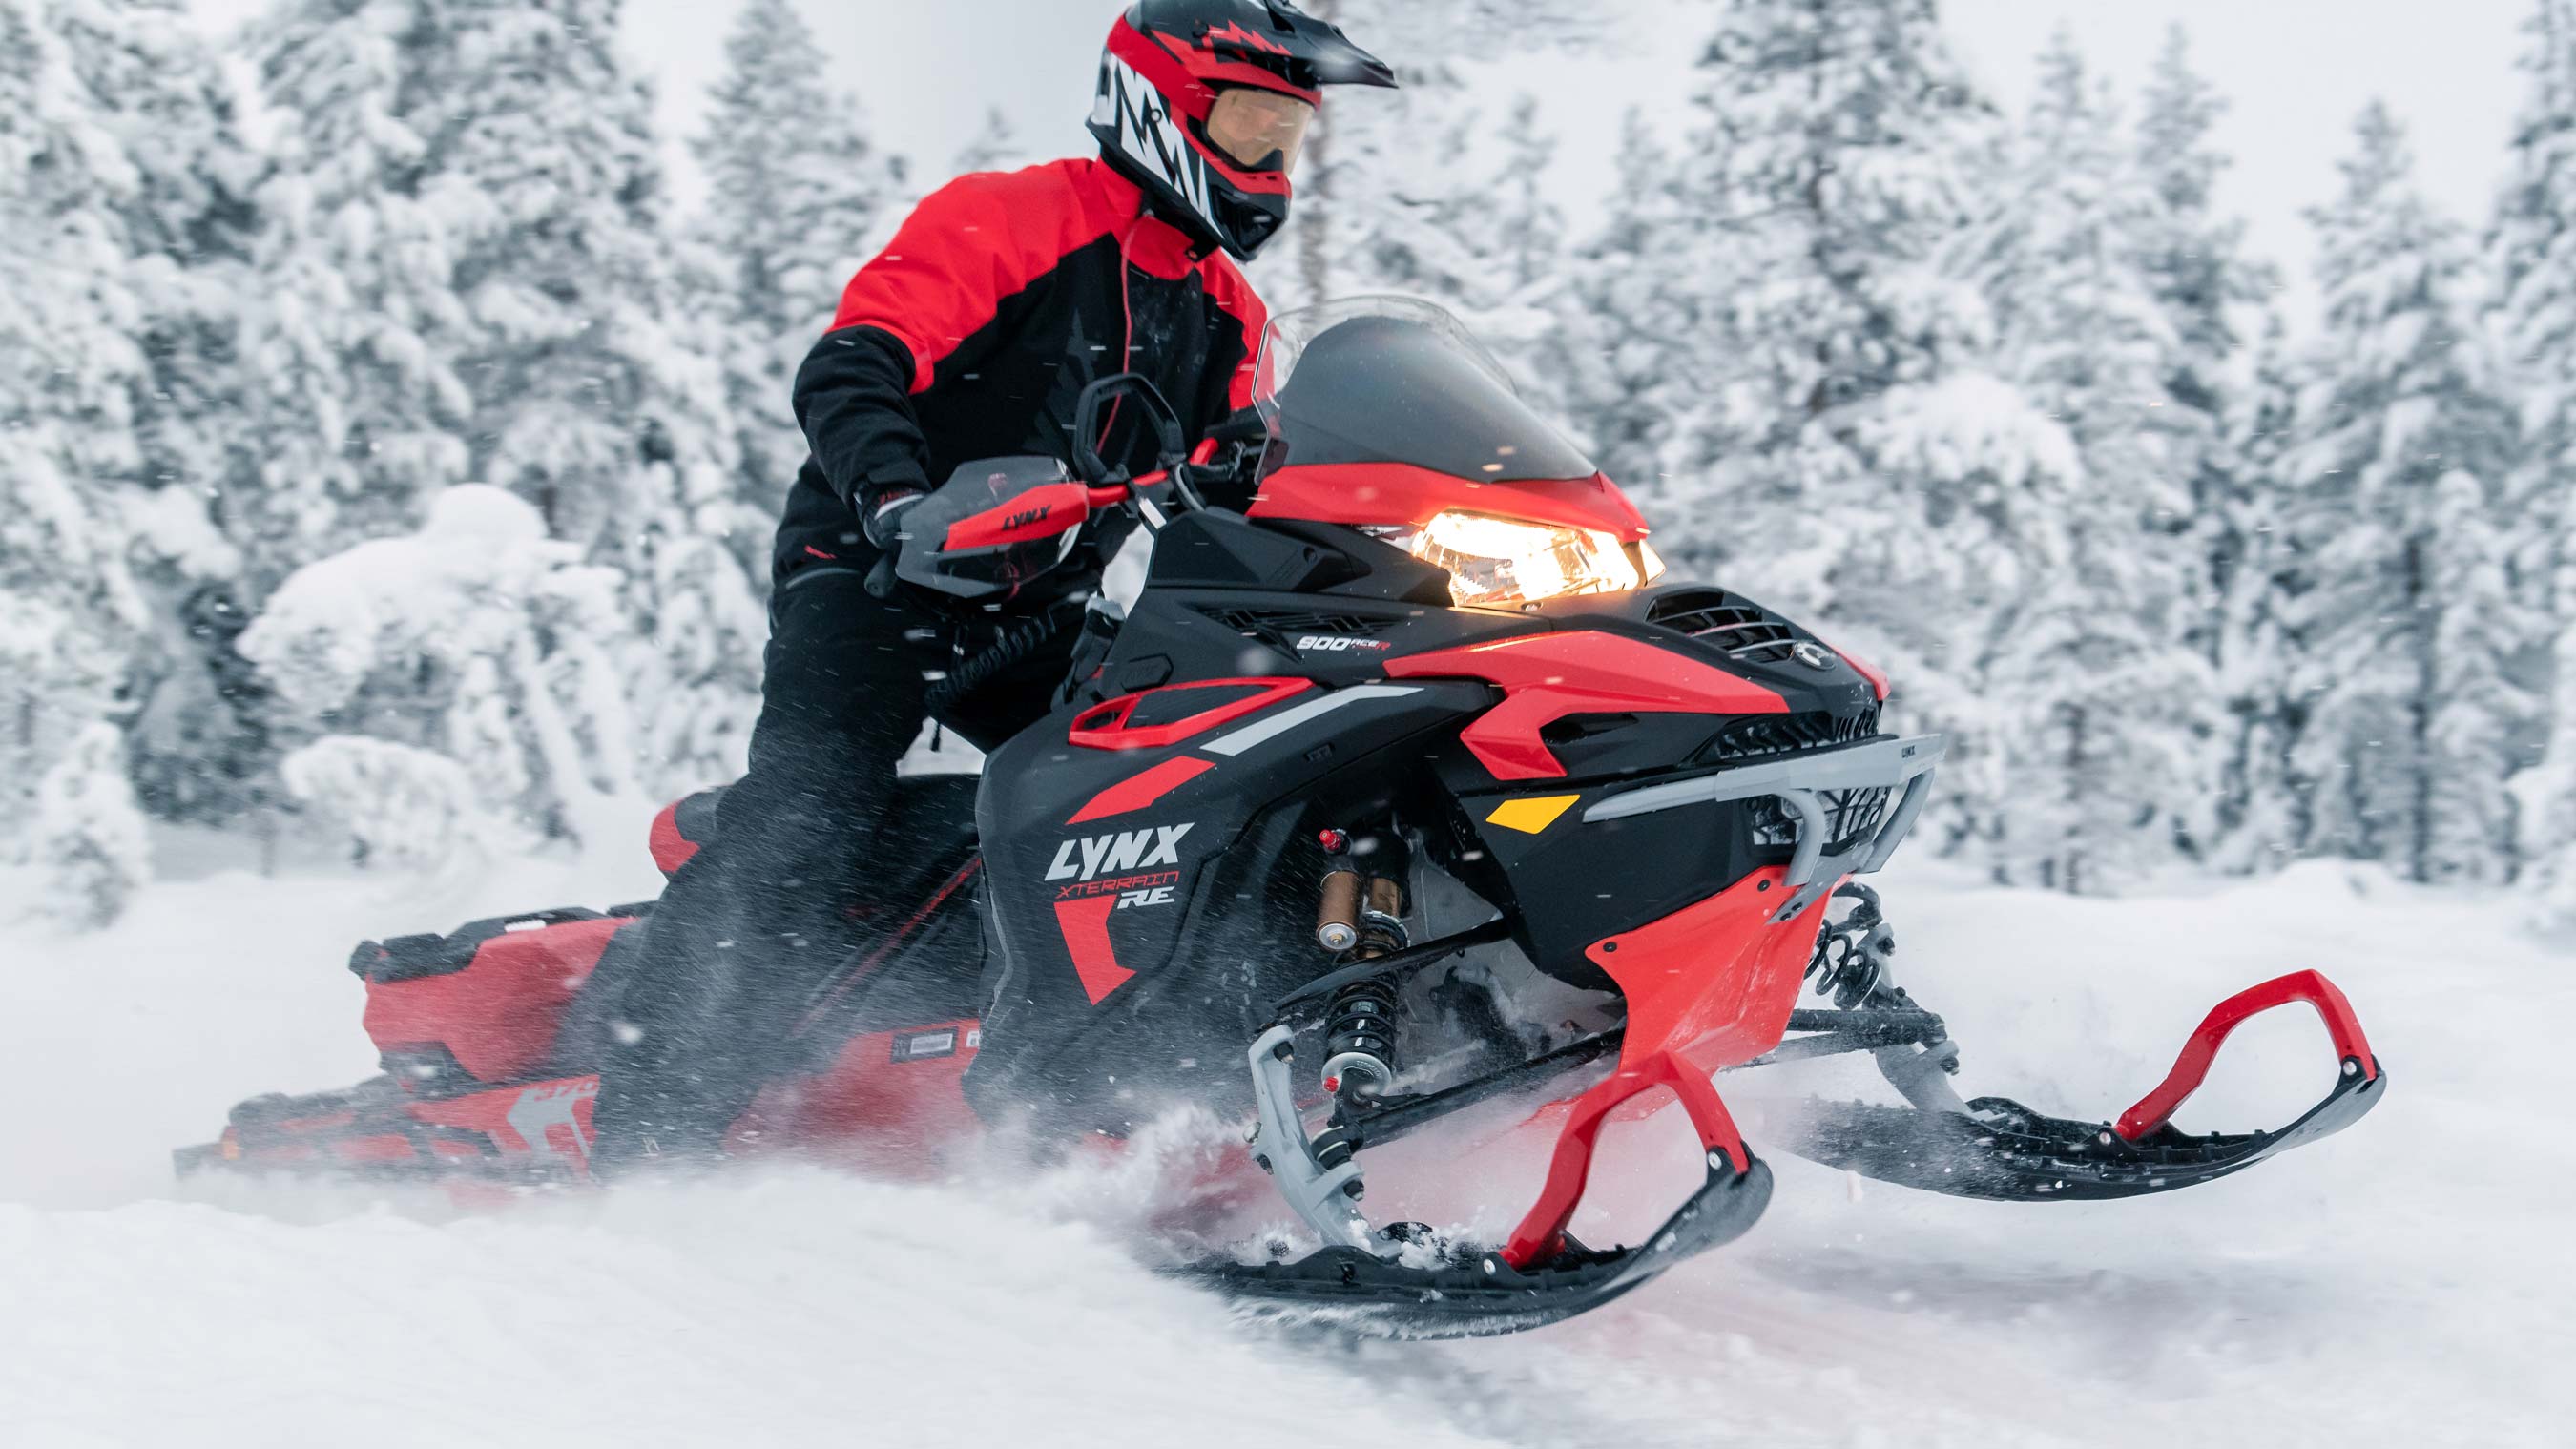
(974, 333)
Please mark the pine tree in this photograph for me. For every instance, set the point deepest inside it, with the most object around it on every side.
(1531, 307)
(2532, 253)
(2195, 260)
(2259, 821)
(88, 282)
(1855, 463)
(2406, 624)
(182, 216)
(359, 344)
(796, 200)
(469, 229)
(1627, 357)
(1366, 141)
(451, 689)
(2103, 706)
(1425, 215)
(2547, 791)
(1404, 190)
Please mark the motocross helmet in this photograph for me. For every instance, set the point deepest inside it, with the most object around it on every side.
(1204, 104)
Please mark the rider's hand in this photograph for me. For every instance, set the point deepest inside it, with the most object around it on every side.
(884, 528)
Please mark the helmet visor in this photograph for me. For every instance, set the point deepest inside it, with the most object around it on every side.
(1262, 130)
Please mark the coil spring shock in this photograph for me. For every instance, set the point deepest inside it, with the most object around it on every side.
(1361, 1024)
(1359, 1040)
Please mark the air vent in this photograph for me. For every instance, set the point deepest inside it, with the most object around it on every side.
(1755, 736)
(1284, 626)
(1851, 816)
(1738, 627)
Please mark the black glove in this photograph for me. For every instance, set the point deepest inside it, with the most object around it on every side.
(884, 528)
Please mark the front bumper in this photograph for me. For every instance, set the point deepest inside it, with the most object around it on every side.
(1801, 783)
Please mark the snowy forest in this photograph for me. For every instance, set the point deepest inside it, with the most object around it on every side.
(388, 463)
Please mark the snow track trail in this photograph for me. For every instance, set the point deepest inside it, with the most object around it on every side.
(2407, 1283)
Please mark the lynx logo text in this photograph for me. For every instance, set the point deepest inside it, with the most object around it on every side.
(1134, 850)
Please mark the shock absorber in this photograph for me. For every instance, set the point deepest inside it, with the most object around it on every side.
(1359, 1040)
(1337, 913)
(1361, 1024)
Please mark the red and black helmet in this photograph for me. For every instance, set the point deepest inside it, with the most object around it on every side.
(1204, 103)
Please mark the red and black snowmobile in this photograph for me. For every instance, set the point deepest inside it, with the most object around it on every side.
(1407, 766)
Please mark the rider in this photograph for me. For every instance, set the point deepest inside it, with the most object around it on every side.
(971, 336)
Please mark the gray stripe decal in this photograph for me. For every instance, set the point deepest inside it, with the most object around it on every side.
(1281, 723)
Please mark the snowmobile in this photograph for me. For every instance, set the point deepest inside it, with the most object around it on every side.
(1408, 785)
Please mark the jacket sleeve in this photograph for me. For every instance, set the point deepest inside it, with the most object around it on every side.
(923, 307)
(854, 400)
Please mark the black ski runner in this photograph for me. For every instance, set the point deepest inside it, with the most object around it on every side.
(2002, 1151)
(1480, 1295)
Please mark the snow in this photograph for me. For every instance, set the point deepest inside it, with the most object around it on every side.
(2405, 1282)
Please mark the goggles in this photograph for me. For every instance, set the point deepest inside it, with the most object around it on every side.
(1261, 130)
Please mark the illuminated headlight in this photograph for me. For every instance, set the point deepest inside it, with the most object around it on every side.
(1504, 561)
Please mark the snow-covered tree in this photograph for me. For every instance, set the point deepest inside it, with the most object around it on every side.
(1828, 182)
(1856, 461)
(1367, 143)
(87, 831)
(1532, 306)
(2107, 712)
(1402, 202)
(796, 198)
(157, 90)
(2547, 791)
(2193, 256)
(461, 672)
(2195, 260)
(1629, 360)
(116, 384)
(477, 283)
(2406, 623)
(2532, 252)
(361, 330)
(2257, 817)
(1426, 209)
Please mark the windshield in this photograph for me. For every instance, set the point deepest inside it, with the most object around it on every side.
(1394, 380)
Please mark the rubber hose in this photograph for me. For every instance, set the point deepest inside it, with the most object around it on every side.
(1012, 649)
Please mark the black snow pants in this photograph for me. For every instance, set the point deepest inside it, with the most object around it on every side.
(690, 1026)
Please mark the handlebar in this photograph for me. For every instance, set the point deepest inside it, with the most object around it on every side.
(1113, 392)
(984, 535)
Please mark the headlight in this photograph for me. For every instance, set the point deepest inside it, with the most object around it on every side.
(1504, 561)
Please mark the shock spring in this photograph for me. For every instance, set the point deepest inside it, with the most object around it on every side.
(1359, 1040)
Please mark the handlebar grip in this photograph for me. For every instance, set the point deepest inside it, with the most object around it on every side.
(1247, 426)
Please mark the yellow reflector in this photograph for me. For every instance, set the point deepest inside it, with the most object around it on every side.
(1531, 817)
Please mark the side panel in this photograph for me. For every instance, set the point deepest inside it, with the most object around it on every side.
(1575, 882)
(1156, 925)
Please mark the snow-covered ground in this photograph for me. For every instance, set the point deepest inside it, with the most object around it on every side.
(2405, 1283)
